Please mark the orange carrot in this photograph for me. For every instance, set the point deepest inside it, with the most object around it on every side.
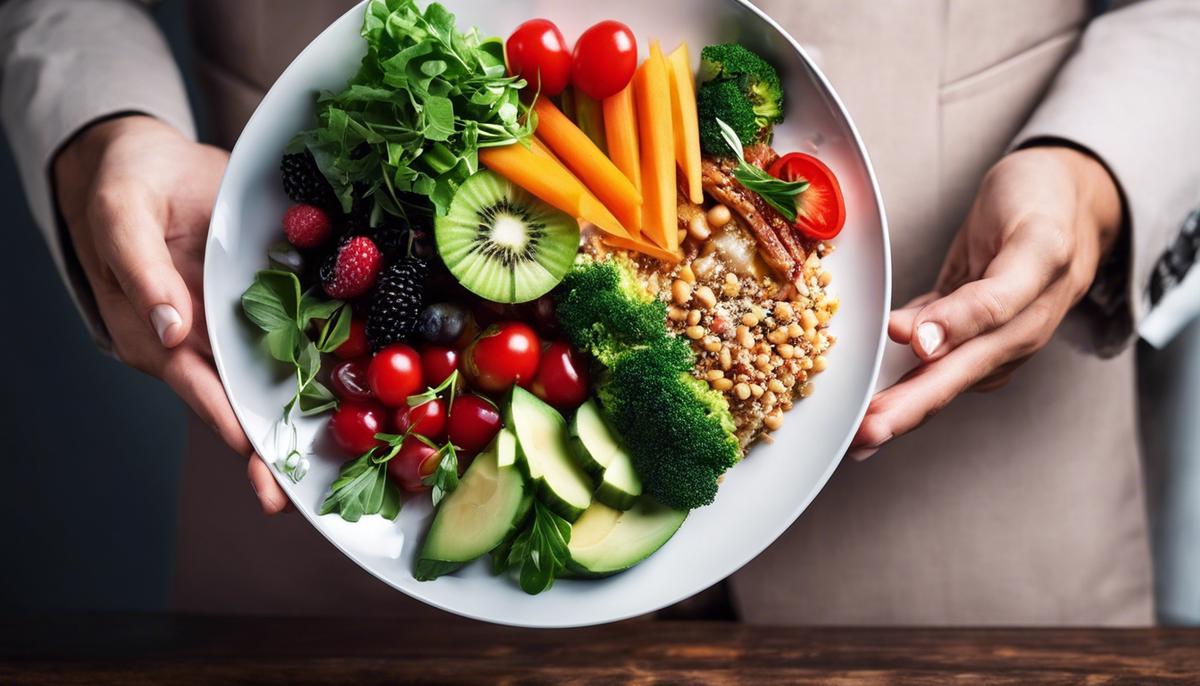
(620, 128)
(652, 96)
(685, 122)
(590, 165)
(643, 247)
(546, 178)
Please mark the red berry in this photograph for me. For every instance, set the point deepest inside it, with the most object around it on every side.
(357, 344)
(427, 419)
(473, 423)
(395, 374)
(438, 364)
(355, 269)
(415, 461)
(562, 378)
(348, 381)
(306, 226)
(505, 354)
(354, 426)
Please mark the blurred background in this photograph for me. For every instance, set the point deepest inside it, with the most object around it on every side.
(95, 449)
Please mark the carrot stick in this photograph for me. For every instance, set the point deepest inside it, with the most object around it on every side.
(685, 122)
(652, 97)
(643, 247)
(620, 128)
(546, 178)
(589, 164)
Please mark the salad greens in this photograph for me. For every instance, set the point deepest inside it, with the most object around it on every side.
(540, 550)
(412, 120)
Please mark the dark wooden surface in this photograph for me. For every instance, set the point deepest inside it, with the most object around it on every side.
(201, 650)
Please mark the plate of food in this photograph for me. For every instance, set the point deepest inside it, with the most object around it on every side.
(549, 315)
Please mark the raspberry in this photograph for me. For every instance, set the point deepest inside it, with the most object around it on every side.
(352, 269)
(306, 226)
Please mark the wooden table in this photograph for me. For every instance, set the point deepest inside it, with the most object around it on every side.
(150, 649)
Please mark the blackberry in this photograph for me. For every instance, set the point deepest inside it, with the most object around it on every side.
(304, 182)
(397, 302)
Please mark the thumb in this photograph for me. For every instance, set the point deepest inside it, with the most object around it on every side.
(135, 249)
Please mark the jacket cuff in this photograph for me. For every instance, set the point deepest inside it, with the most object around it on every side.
(66, 65)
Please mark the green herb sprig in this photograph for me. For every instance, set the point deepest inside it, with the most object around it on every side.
(540, 550)
(777, 193)
(275, 304)
(413, 118)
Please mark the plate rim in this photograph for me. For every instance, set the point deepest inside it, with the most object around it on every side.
(658, 603)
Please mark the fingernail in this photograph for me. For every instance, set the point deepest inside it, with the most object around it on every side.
(164, 318)
(930, 336)
(861, 454)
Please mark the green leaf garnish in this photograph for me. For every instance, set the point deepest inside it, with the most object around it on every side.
(445, 478)
(779, 194)
(362, 488)
(540, 550)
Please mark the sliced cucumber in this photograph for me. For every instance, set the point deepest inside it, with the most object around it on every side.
(490, 503)
(601, 454)
(543, 453)
(605, 541)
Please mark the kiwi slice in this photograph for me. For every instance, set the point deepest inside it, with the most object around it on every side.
(503, 244)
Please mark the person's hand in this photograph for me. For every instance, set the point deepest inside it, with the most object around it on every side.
(1027, 252)
(136, 196)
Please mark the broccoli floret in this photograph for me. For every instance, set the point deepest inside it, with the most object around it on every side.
(724, 100)
(603, 309)
(743, 90)
(679, 431)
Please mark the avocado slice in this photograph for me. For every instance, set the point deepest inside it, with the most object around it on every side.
(544, 456)
(600, 453)
(605, 541)
(486, 509)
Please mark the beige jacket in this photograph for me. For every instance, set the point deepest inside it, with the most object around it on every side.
(1023, 506)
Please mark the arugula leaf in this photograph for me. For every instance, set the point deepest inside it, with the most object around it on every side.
(540, 550)
(445, 478)
(273, 301)
(362, 488)
(425, 99)
(336, 329)
(316, 398)
(777, 193)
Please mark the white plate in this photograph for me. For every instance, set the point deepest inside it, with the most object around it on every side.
(760, 497)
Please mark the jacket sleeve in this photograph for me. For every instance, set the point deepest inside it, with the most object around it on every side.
(63, 65)
(1131, 96)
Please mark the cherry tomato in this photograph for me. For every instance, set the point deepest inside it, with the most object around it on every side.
(415, 461)
(427, 419)
(357, 344)
(473, 423)
(537, 50)
(348, 380)
(395, 374)
(354, 426)
(505, 354)
(562, 378)
(605, 59)
(820, 210)
(438, 364)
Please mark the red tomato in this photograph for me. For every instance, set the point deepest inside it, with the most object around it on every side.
(427, 419)
(562, 378)
(505, 354)
(356, 345)
(395, 374)
(415, 461)
(354, 426)
(438, 364)
(473, 423)
(348, 380)
(537, 49)
(820, 210)
(605, 59)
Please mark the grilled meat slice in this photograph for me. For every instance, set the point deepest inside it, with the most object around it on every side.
(718, 182)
